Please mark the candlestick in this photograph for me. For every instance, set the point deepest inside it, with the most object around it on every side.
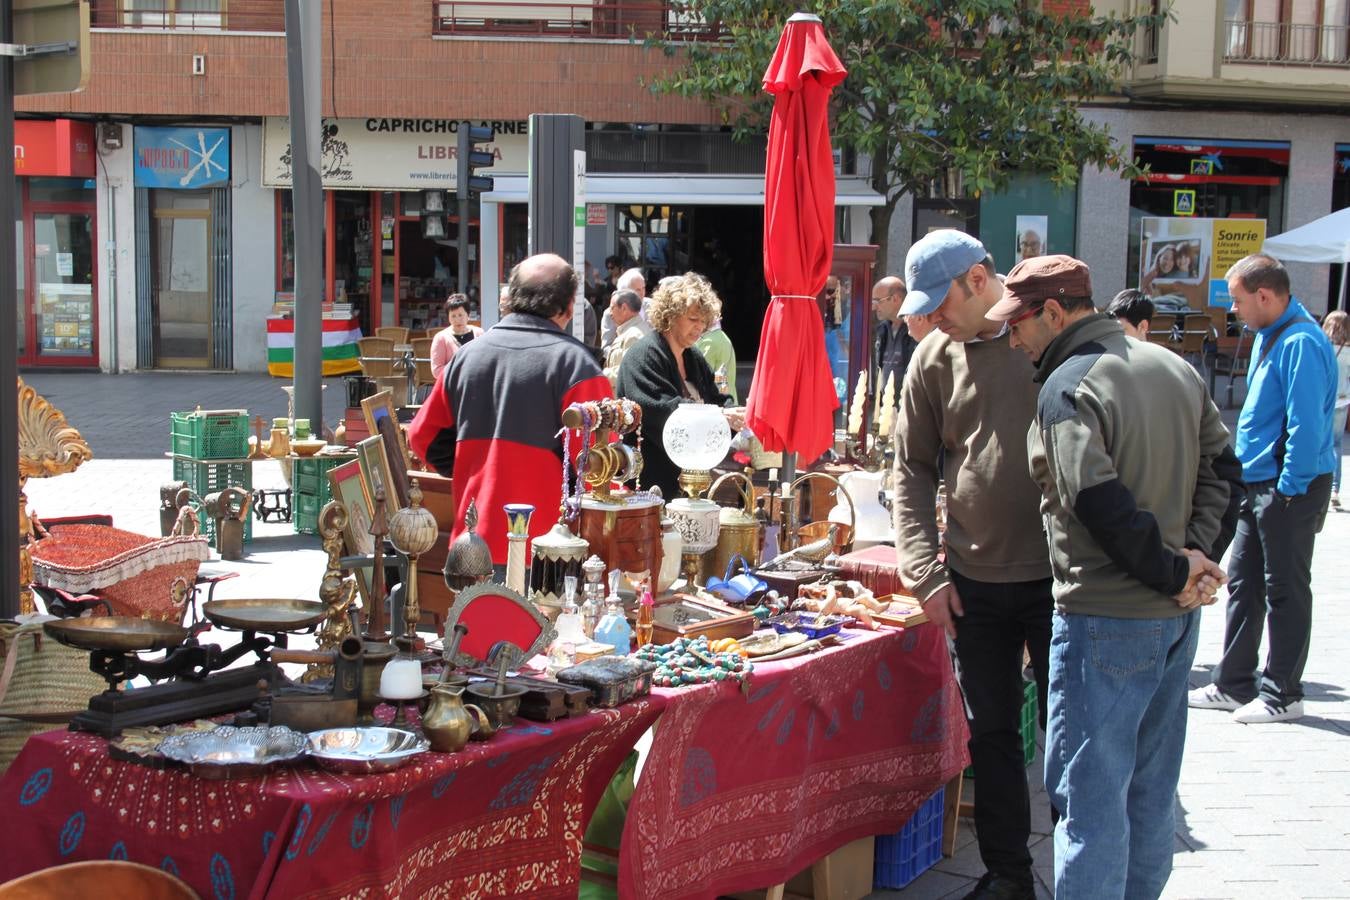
(517, 533)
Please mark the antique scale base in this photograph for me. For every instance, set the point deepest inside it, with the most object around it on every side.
(180, 700)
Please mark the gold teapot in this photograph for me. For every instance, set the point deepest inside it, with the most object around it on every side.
(739, 534)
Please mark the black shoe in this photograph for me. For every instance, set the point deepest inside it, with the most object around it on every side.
(994, 886)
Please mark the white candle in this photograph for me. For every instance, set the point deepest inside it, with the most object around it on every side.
(888, 406)
(401, 679)
(773, 475)
(855, 413)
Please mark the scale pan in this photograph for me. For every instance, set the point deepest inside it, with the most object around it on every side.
(124, 634)
(264, 615)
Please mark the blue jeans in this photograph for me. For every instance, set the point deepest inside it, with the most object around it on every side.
(1116, 732)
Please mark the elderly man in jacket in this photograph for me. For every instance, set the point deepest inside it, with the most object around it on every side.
(1130, 513)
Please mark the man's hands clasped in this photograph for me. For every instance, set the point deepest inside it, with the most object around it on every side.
(1203, 583)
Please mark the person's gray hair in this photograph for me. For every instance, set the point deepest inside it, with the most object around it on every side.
(628, 299)
(631, 277)
(1260, 271)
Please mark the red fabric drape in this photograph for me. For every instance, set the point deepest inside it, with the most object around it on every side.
(792, 399)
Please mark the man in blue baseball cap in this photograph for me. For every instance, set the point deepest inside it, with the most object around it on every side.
(969, 397)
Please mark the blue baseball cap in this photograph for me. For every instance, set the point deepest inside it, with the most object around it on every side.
(932, 263)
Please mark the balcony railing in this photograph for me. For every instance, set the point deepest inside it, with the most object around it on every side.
(1287, 43)
(600, 19)
(189, 15)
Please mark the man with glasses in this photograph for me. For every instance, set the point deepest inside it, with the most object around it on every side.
(968, 395)
(1131, 514)
(893, 346)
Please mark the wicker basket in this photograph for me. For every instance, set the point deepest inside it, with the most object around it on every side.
(45, 679)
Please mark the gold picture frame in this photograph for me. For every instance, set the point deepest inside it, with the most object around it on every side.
(347, 485)
(376, 473)
(381, 418)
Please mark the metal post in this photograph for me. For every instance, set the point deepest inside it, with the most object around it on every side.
(555, 141)
(9, 327)
(462, 150)
(304, 48)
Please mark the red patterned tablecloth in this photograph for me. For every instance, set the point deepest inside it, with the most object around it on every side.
(744, 789)
(499, 819)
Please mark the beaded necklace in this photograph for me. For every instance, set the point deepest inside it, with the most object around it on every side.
(687, 661)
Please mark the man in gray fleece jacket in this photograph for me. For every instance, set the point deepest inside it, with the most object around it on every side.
(1130, 454)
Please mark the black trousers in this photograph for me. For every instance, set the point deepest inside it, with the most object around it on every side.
(1270, 582)
(999, 619)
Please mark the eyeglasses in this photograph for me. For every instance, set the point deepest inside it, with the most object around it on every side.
(1023, 316)
(831, 291)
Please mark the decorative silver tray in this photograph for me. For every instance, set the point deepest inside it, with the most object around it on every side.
(229, 752)
(365, 749)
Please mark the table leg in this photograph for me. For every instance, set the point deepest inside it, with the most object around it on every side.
(951, 813)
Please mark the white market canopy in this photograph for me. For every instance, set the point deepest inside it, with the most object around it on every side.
(1324, 240)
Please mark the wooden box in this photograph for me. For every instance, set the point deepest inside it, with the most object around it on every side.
(683, 615)
(626, 534)
(902, 610)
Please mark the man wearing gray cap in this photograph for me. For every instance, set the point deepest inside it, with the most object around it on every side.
(1129, 452)
(968, 395)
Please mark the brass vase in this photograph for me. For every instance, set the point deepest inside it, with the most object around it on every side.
(449, 721)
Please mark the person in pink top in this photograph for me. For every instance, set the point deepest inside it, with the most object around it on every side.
(448, 340)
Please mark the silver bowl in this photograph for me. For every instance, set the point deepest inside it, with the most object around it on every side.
(229, 752)
(365, 749)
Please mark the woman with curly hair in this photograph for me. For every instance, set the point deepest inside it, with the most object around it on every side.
(664, 369)
(1337, 328)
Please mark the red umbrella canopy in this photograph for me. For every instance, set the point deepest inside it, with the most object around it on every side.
(792, 400)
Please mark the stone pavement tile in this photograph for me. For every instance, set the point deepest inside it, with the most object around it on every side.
(931, 885)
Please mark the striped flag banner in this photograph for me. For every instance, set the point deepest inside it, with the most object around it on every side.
(341, 354)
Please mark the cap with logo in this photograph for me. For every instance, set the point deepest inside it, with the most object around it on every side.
(1041, 278)
(932, 263)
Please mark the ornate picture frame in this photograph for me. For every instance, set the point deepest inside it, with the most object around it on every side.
(493, 612)
(348, 486)
(382, 419)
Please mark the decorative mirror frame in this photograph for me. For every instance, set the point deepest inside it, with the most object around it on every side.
(478, 593)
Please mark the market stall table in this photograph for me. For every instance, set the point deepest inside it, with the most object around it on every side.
(502, 818)
(743, 789)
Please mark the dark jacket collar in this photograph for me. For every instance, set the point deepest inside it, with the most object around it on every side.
(528, 322)
(1089, 328)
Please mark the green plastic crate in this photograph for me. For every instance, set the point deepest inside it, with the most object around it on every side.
(207, 477)
(214, 435)
(1028, 725)
(209, 528)
(312, 492)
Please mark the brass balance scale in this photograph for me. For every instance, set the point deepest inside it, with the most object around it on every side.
(192, 679)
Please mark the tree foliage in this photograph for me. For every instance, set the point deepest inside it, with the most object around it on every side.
(983, 88)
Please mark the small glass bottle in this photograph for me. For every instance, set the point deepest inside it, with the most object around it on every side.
(593, 606)
(613, 628)
(646, 613)
(569, 620)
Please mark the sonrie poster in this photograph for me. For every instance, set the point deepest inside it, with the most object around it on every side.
(1185, 259)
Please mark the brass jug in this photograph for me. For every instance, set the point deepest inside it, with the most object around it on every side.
(449, 721)
(740, 531)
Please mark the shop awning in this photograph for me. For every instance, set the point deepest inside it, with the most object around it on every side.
(685, 190)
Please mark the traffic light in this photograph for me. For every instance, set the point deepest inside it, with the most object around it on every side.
(467, 184)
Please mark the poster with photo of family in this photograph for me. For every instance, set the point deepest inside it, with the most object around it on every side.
(1182, 261)
(1033, 237)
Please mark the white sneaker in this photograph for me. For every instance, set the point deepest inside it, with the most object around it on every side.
(1259, 711)
(1210, 697)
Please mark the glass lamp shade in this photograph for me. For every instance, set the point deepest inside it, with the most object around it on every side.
(696, 436)
(697, 520)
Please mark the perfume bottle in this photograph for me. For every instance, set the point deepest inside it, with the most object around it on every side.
(613, 628)
(593, 606)
(646, 613)
(569, 620)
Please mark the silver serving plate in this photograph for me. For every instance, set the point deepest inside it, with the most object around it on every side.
(229, 752)
(365, 749)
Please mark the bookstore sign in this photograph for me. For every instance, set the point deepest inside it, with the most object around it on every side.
(390, 154)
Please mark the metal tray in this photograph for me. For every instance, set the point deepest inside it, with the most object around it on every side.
(365, 749)
(265, 615)
(229, 752)
(124, 634)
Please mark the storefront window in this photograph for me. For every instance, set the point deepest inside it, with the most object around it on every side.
(21, 271)
(286, 259)
(654, 238)
(1206, 179)
(64, 278)
(515, 236)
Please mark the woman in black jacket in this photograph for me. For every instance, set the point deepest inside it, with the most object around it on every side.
(665, 369)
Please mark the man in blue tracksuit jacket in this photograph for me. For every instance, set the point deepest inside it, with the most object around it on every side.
(1286, 447)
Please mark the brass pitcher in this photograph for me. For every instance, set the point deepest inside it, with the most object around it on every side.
(740, 531)
(449, 722)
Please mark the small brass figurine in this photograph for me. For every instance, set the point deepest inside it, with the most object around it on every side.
(337, 590)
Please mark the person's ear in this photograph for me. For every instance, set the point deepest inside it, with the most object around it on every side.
(1054, 313)
(977, 278)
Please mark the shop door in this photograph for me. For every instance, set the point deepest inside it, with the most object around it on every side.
(61, 291)
(181, 284)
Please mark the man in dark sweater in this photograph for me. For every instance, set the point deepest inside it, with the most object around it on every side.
(969, 396)
(492, 420)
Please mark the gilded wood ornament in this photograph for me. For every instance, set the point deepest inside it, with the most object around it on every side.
(338, 588)
(48, 446)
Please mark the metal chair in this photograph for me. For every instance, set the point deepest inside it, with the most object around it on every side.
(1231, 356)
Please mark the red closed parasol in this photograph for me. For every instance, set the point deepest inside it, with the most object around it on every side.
(792, 400)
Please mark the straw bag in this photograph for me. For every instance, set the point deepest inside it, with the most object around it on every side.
(42, 684)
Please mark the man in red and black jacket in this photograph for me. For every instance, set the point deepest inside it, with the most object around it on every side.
(491, 422)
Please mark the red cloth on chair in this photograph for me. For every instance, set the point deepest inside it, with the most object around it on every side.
(743, 789)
